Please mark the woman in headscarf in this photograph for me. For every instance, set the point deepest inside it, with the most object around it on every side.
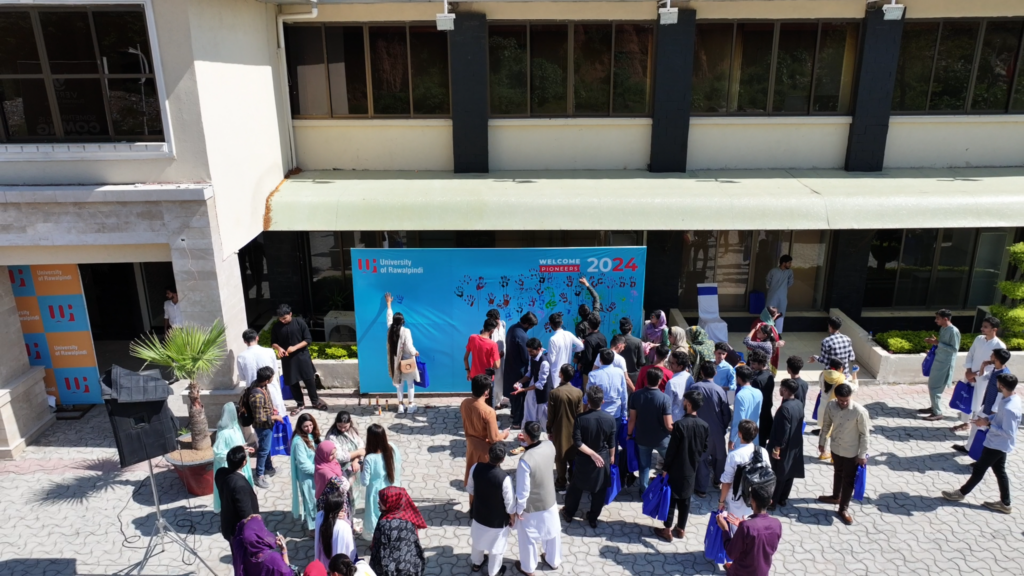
(761, 338)
(654, 334)
(327, 467)
(229, 435)
(254, 551)
(333, 532)
(702, 349)
(396, 549)
(768, 317)
(382, 468)
(342, 565)
(304, 441)
(677, 339)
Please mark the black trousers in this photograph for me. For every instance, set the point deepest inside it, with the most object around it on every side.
(572, 502)
(683, 506)
(996, 460)
(303, 372)
(517, 404)
(782, 490)
(843, 475)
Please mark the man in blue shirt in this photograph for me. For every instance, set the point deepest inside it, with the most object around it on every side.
(999, 442)
(613, 382)
(726, 375)
(990, 392)
(747, 407)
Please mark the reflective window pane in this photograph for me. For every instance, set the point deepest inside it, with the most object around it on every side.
(914, 71)
(346, 67)
(996, 65)
(883, 265)
(1017, 105)
(549, 63)
(916, 267)
(429, 50)
(26, 110)
(953, 66)
(68, 39)
(732, 269)
(632, 68)
(835, 67)
(793, 65)
(698, 265)
(307, 73)
(955, 254)
(751, 67)
(389, 70)
(18, 53)
(808, 250)
(508, 82)
(123, 42)
(712, 54)
(80, 105)
(988, 267)
(135, 107)
(592, 68)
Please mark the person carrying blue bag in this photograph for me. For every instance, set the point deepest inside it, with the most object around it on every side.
(717, 414)
(755, 539)
(657, 498)
(686, 446)
(941, 376)
(594, 438)
(1000, 440)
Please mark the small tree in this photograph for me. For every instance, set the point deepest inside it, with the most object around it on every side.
(192, 352)
(1012, 316)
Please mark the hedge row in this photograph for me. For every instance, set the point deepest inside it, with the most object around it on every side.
(912, 341)
(319, 350)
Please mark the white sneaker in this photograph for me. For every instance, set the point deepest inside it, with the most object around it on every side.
(412, 408)
(401, 409)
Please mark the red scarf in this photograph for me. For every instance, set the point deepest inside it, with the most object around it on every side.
(395, 503)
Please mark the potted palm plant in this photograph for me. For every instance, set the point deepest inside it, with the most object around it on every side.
(192, 352)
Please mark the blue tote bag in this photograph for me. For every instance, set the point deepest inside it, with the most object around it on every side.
(281, 443)
(632, 460)
(860, 483)
(657, 498)
(816, 404)
(714, 548)
(614, 485)
(424, 377)
(577, 380)
(963, 395)
(929, 359)
(978, 444)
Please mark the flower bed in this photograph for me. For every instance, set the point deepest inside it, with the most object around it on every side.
(318, 350)
(912, 341)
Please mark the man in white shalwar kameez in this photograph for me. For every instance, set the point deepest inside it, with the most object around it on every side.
(248, 362)
(562, 345)
(492, 507)
(537, 524)
(778, 282)
(978, 357)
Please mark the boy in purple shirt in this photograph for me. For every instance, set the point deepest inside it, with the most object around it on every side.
(756, 539)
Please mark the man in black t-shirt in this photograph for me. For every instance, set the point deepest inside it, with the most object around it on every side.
(593, 343)
(290, 339)
(650, 423)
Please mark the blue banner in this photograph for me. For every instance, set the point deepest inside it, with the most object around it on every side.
(445, 294)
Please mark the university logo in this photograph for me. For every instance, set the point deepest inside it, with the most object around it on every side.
(366, 266)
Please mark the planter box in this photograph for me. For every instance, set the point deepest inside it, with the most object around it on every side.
(24, 412)
(889, 368)
(213, 401)
(338, 374)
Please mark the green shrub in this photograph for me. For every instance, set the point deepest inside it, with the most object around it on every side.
(912, 341)
(318, 350)
(1012, 316)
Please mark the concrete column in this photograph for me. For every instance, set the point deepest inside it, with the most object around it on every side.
(469, 92)
(24, 412)
(673, 95)
(664, 265)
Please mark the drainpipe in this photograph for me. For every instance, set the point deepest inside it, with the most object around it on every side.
(281, 19)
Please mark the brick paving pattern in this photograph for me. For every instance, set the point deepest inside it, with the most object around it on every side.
(66, 503)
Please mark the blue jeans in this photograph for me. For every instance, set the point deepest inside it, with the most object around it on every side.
(266, 437)
(644, 456)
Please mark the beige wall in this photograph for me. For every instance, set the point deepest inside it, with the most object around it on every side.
(16, 255)
(569, 143)
(955, 141)
(794, 142)
(955, 8)
(374, 144)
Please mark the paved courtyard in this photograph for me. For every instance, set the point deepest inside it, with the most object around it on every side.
(69, 509)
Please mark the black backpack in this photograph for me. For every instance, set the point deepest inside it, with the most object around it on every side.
(757, 472)
(245, 418)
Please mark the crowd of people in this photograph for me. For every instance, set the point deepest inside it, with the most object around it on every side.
(590, 415)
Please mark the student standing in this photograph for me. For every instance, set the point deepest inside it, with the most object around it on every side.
(563, 344)
(726, 374)
(764, 383)
(517, 359)
(613, 383)
(650, 423)
(237, 498)
(401, 349)
(990, 392)
(686, 446)
(479, 423)
(836, 345)
(730, 501)
(303, 467)
(777, 283)
(172, 312)
(633, 351)
(594, 438)
(717, 414)
(381, 469)
(977, 358)
(262, 411)
(498, 337)
(564, 405)
(493, 504)
(290, 339)
(947, 345)
(618, 345)
(794, 364)
(536, 384)
(848, 425)
(748, 404)
(675, 389)
(786, 443)
(999, 443)
(583, 327)
(756, 539)
(655, 333)
(539, 531)
(657, 363)
(593, 343)
(483, 351)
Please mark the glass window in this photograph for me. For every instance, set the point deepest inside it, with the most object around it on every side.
(1017, 105)
(835, 67)
(955, 253)
(698, 265)
(632, 61)
(80, 101)
(808, 249)
(793, 65)
(346, 69)
(769, 245)
(549, 56)
(732, 269)
(989, 267)
(428, 47)
(123, 42)
(592, 68)
(883, 268)
(389, 69)
(916, 267)
(134, 106)
(712, 56)
(996, 65)
(18, 52)
(751, 67)
(26, 109)
(68, 40)
(508, 70)
(914, 70)
(307, 75)
(953, 64)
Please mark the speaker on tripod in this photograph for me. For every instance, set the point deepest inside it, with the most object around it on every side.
(144, 428)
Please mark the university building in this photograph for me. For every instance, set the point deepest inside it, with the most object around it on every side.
(239, 149)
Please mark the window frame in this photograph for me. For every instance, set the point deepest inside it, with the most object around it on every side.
(571, 70)
(978, 43)
(774, 59)
(155, 73)
(370, 115)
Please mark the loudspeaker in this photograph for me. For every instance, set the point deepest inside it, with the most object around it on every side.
(143, 424)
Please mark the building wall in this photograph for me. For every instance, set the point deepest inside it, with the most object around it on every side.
(374, 144)
(234, 44)
(955, 141)
(791, 142)
(569, 143)
(959, 9)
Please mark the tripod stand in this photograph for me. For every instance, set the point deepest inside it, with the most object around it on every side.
(163, 530)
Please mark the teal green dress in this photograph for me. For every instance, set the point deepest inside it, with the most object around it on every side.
(375, 478)
(229, 435)
(303, 489)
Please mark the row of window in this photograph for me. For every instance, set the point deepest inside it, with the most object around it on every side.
(77, 75)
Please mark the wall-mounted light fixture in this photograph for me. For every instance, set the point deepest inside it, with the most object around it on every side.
(668, 14)
(446, 21)
(893, 11)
